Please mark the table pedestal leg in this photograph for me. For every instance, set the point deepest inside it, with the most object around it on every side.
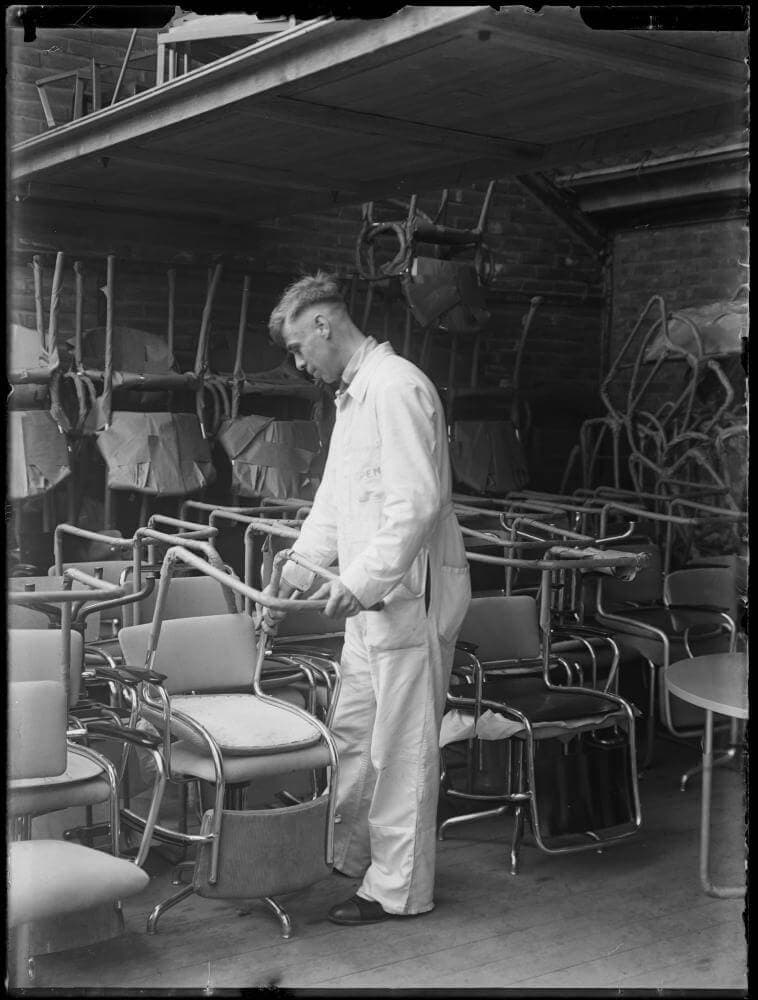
(724, 892)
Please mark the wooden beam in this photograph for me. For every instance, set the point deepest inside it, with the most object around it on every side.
(559, 32)
(324, 118)
(91, 231)
(220, 170)
(715, 120)
(565, 208)
(307, 52)
(137, 202)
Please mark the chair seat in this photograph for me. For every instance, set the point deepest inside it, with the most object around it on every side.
(552, 713)
(83, 783)
(246, 725)
(541, 704)
(189, 759)
(51, 877)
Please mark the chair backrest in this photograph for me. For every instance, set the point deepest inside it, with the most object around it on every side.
(738, 564)
(647, 585)
(502, 628)
(36, 655)
(199, 654)
(187, 597)
(714, 586)
(37, 715)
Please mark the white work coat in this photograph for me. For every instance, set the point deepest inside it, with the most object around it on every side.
(383, 508)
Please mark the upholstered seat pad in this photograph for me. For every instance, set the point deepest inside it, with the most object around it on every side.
(539, 703)
(50, 877)
(83, 783)
(245, 725)
(188, 759)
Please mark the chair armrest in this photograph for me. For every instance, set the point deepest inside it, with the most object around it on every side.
(129, 734)
(131, 676)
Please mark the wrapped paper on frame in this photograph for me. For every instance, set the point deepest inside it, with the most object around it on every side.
(163, 454)
(273, 458)
(38, 454)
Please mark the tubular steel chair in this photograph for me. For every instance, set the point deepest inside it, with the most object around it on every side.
(58, 654)
(49, 878)
(639, 617)
(566, 754)
(211, 731)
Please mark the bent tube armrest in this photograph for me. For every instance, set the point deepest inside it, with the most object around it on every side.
(137, 675)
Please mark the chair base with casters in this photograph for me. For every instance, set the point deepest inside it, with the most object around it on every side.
(568, 765)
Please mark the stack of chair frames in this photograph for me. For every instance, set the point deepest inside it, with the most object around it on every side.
(551, 741)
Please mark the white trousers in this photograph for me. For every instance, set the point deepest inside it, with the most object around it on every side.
(386, 726)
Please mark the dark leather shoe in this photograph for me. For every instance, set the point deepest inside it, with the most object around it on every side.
(358, 911)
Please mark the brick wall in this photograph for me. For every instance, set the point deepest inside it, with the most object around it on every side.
(59, 51)
(532, 254)
(688, 265)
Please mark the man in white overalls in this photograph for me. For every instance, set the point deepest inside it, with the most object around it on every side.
(384, 511)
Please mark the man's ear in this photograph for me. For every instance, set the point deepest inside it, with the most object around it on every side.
(322, 325)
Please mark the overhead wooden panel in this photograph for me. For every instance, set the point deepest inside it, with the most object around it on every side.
(432, 96)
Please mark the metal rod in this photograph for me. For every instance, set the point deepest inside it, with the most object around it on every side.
(239, 375)
(55, 294)
(123, 66)
(107, 397)
(37, 271)
(171, 300)
(78, 314)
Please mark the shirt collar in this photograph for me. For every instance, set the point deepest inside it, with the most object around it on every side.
(355, 362)
(360, 379)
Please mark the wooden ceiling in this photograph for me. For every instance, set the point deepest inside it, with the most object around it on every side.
(343, 111)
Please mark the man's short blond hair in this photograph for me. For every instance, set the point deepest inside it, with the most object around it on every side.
(309, 290)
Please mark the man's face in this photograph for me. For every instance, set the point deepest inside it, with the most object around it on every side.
(309, 340)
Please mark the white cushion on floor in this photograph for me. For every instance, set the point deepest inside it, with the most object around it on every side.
(50, 877)
(244, 725)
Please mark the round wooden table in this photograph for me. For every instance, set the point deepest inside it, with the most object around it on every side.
(718, 684)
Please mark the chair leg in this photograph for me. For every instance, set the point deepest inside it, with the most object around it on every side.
(21, 969)
(455, 820)
(158, 911)
(725, 757)
(281, 914)
(518, 836)
(650, 728)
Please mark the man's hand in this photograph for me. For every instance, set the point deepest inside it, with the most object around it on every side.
(271, 618)
(341, 602)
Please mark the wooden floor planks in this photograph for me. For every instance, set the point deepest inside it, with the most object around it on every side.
(631, 917)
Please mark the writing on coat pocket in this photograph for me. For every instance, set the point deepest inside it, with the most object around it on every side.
(369, 484)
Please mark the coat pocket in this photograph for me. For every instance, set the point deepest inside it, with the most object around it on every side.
(451, 595)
